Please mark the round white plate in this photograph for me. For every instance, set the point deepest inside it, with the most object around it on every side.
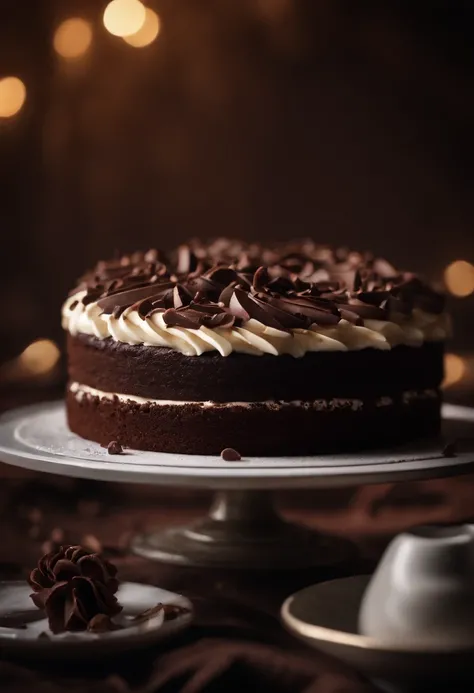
(17, 608)
(325, 616)
(38, 438)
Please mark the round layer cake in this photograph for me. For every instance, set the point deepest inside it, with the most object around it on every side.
(290, 350)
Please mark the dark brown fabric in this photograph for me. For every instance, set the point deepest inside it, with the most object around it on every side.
(232, 666)
(208, 666)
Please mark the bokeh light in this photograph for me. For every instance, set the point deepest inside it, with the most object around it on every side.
(40, 357)
(459, 278)
(454, 369)
(12, 96)
(148, 32)
(124, 17)
(72, 38)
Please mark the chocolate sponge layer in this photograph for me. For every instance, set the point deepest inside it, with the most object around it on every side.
(351, 400)
(161, 373)
(256, 430)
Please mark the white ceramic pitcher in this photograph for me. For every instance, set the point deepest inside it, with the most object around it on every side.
(422, 593)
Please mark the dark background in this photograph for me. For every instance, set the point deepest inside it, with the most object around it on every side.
(344, 120)
(347, 121)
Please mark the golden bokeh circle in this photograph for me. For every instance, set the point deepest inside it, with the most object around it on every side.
(124, 17)
(12, 96)
(148, 32)
(72, 38)
(459, 278)
(39, 357)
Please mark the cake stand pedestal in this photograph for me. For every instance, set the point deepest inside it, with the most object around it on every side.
(242, 529)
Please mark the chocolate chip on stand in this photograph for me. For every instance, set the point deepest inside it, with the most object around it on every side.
(450, 449)
(114, 448)
(230, 455)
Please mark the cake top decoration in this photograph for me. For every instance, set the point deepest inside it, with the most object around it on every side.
(285, 286)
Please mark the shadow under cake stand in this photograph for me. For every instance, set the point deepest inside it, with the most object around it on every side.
(243, 528)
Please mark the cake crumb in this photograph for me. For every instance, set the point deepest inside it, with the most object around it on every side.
(450, 450)
(230, 455)
(114, 448)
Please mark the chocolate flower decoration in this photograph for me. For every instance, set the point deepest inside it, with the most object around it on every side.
(72, 604)
(65, 564)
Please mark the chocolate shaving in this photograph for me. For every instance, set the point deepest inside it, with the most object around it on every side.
(198, 314)
(171, 612)
(283, 286)
(101, 623)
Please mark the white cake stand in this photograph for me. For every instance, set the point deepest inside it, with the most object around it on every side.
(243, 529)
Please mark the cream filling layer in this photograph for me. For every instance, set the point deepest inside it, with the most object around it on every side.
(253, 337)
(80, 391)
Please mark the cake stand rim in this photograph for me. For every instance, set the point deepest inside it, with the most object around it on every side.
(231, 477)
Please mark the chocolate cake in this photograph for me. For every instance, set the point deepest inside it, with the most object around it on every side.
(288, 350)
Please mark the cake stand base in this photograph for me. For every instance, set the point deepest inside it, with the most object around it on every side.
(243, 530)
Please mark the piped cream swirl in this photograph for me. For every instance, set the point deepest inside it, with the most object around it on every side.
(253, 337)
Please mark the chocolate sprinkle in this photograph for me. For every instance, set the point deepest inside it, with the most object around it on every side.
(230, 455)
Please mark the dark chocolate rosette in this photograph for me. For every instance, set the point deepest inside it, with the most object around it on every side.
(63, 566)
(71, 605)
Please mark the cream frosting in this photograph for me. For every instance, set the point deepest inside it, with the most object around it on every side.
(253, 337)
